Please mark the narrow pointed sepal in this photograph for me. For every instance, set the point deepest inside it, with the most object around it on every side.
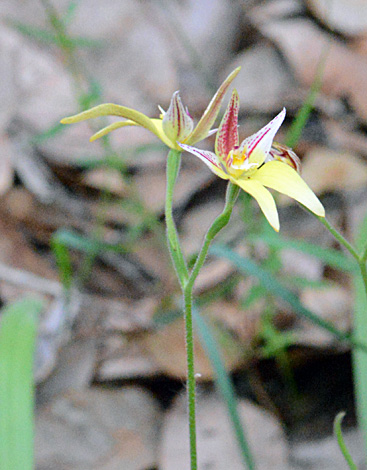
(227, 135)
(209, 158)
(110, 109)
(177, 124)
(207, 120)
(112, 127)
(257, 146)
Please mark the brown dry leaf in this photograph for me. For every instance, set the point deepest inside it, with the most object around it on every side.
(263, 12)
(212, 274)
(298, 264)
(167, 347)
(152, 184)
(303, 44)
(333, 304)
(156, 260)
(98, 429)
(342, 137)
(39, 89)
(244, 324)
(123, 26)
(217, 446)
(346, 16)
(15, 252)
(124, 316)
(74, 370)
(198, 21)
(123, 358)
(6, 165)
(267, 85)
(327, 170)
(106, 179)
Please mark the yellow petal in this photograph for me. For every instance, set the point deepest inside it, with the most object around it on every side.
(110, 109)
(160, 133)
(106, 130)
(264, 199)
(286, 180)
(207, 120)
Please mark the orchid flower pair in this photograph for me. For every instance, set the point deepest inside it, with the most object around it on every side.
(254, 165)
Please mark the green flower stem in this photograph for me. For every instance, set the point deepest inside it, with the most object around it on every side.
(220, 222)
(173, 166)
(187, 280)
(364, 255)
(360, 326)
(339, 237)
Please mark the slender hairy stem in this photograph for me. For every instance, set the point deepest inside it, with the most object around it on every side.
(339, 237)
(191, 383)
(187, 281)
(220, 222)
(173, 166)
(364, 255)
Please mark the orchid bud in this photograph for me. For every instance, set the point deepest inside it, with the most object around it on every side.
(177, 124)
(284, 154)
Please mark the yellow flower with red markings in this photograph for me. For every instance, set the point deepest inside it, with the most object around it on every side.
(175, 125)
(257, 164)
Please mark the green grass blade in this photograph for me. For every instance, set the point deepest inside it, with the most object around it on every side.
(224, 385)
(360, 334)
(339, 435)
(18, 326)
(63, 260)
(47, 37)
(298, 124)
(249, 267)
(333, 258)
(86, 244)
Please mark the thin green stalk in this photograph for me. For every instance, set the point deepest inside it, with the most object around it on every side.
(173, 167)
(187, 282)
(339, 237)
(220, 222)
(342, 445)
(360, 320)
(360, 333)
(191, 381)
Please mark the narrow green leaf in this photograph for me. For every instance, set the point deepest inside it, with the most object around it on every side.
(339, 435)
(333, 258)
(224, 385)
(359, 358)
(63, 260)
(295, 131)
(86, 244)
(249, 267)
(18, 324)
(47, 37)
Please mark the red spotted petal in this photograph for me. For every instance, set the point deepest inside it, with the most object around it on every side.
(263, 139)
(227, 136)
(209, 158)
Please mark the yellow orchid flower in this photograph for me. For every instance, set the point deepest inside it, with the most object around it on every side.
(257, 164)
(175, 125)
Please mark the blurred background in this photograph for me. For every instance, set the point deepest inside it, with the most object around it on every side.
(82, 227)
